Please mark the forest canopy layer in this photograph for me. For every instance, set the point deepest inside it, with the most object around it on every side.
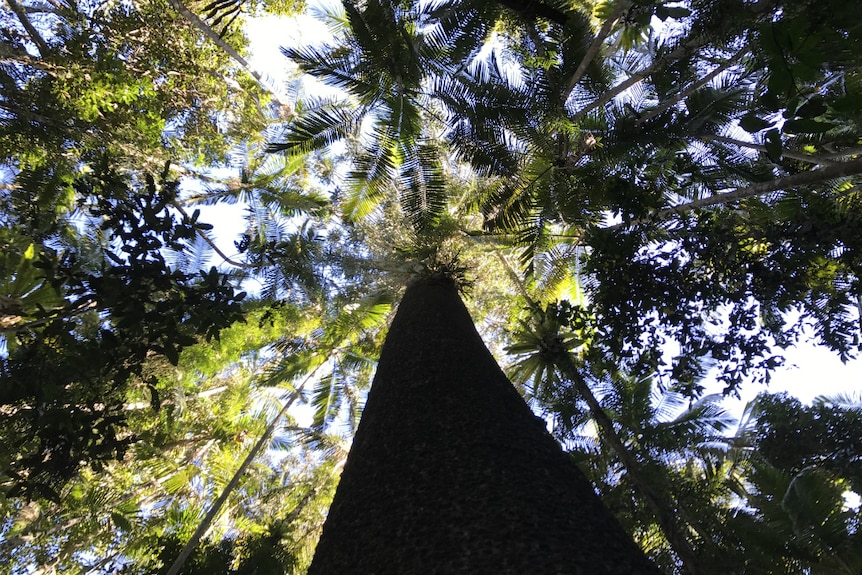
(636, 198)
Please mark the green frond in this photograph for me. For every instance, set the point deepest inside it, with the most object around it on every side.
(318, 126)
(387, 39)
(556, 272)
(404, 116)
(363, 198)
(850, 401)
(705, 417)
(373, 178)
(712, 107)
(368, 313)
(424, 197)
(485, 116)
(340, 67)
(179, 481)
(333, 15)
(293, 367)
(326, 398)
(463, 26)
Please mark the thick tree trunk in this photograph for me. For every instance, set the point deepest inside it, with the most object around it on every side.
(450, 472)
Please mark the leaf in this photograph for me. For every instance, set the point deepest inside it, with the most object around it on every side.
(811, 109)
(773, 144)
(25, 274)
(121, 521)
(171, 353)
(155, 400)
(806, 126)
(751, 123)
(676, 12)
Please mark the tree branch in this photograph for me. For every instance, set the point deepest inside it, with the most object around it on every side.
(816, 160)
(31, 30)
(205, 28)
(842, 154)
(9, 324)
(516, 279)
(650, 114)
(594, 47)
(12, 53)
(830, 172)
(211, 243)
(679, 52)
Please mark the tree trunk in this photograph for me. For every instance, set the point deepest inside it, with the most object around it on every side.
(450, 471)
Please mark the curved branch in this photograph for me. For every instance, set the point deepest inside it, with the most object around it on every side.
(824, 174)
(650, 114)
(207, 31)
(516, 279)
(10, 53)
(21, 13)
(9, 323)
(843, 153)
(816, 160)
(211, 243)
(681, 51)
(594, 47)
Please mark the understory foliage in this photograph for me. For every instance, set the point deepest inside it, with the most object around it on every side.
(639, 200)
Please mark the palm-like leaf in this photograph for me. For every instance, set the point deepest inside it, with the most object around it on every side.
(318, 125)
(384, 57)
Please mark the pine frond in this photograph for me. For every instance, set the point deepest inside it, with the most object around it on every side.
(333, 15)
(374, 174)
(318, 126)
(326, 398)
(424, 197)
(463, 26)
(555, 270)
(368, 313)
(340, 67)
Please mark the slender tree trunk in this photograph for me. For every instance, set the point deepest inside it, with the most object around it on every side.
(207, 31)
(665, 514)
(595, 46)
(214, 510)
(35, 36)
(670, 519)
(450, 471)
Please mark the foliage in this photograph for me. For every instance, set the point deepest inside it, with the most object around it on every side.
(794, 437)
(682, 200)
(130, 513)
(116, 302)
(128, 81)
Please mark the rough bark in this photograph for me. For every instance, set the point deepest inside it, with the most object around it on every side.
(450, 471)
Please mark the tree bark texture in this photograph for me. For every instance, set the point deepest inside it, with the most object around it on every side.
(450, 472)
